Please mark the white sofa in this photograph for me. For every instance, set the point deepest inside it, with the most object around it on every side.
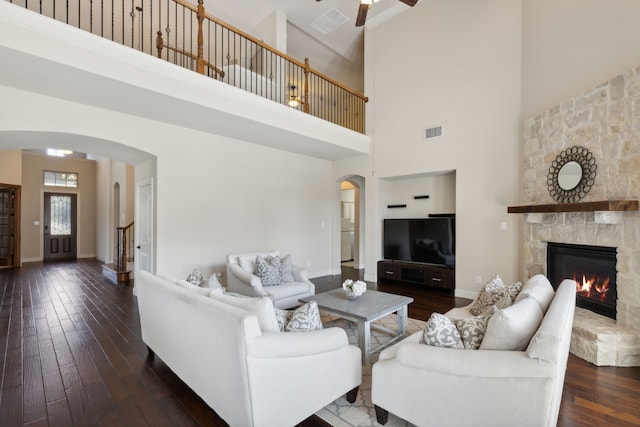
(248, 376)
(436, 386)
(241, 279)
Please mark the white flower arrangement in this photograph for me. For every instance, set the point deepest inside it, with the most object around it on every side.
(356, 288)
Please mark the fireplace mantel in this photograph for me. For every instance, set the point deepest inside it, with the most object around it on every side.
(601, 206)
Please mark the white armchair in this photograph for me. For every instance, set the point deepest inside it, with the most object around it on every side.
(241, 279)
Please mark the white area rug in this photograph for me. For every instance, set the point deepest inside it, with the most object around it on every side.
(341, 413)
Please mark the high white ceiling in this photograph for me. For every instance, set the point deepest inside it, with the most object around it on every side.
(345, 39)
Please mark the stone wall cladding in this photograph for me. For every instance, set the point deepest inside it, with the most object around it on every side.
(606, 121)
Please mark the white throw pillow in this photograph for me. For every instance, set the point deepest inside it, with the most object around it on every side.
(214, 285)
(261, 307)
(194, 288)
(539, 288)
(512, 327)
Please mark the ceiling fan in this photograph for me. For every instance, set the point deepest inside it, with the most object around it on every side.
(366, 4)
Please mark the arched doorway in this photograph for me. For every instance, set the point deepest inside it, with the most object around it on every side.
(351, 221)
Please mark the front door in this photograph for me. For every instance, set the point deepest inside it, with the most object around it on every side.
(59, 226)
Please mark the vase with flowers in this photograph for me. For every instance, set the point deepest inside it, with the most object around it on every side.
(353, 289)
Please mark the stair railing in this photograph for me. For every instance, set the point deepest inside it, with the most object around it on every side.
(124, 247)
(188, 36)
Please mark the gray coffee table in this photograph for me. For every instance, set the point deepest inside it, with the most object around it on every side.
(371, 306)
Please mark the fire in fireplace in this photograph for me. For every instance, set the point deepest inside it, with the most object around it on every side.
(594, 270)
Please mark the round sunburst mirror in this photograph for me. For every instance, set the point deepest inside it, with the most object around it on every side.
(571, 175)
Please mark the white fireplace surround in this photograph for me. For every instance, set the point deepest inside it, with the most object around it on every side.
(605, 120)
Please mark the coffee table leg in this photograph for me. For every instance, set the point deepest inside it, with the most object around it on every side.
(403, 315)
(364, 340)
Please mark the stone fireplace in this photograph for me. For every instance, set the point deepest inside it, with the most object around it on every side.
(606, 121)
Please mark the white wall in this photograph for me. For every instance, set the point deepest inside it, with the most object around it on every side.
(441, 190)
(570, 46)
(455, 64)
(11, 167)
(214, 195)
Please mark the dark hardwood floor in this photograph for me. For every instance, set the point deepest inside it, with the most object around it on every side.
(71, 354)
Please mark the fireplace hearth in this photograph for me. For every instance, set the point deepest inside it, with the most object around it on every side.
(594, 270)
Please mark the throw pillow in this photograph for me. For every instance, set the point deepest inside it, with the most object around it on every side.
(197, 289)
(472, 330)
(512, 328)
(304, 318)
(261, 307)
(514, 290)
(539, 288)
(269, 270)
(491, 292)
(441, 332)
(214, 285)
(197, 278)
(282, 316)
(287, 269)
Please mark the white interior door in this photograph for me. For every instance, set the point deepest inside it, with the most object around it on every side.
(144, 226)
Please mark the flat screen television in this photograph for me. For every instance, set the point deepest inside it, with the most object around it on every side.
(426, 240)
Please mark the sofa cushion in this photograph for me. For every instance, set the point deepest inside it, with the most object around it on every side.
(214, 285)
(304, 318)
(287, 268)
(441, 332)
(282, 316)
(269, 270)
(194, 288)
(514, 290)
(512, 327)
(539, 288)
(472, 330)
(492, 292)
(261, 307)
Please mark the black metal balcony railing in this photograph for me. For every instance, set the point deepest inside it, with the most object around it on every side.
(186, 35)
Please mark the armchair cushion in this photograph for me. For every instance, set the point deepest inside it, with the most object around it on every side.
(248, 261)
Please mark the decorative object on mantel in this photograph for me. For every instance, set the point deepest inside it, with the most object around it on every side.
(604, 205)
(354, 290)
(571, 175)
(396, 206)
(426, 196)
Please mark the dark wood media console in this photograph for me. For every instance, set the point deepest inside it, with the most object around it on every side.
(432, 275)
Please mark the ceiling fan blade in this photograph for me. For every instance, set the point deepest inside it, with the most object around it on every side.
(409, 2)
(362, 14)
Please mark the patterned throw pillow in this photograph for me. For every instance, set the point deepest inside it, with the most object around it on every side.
(472, 330)
(282, 316)
(514, 290)
(304, 318)
(196, 278)
(491, 293)
(441, 332)
(269, 270)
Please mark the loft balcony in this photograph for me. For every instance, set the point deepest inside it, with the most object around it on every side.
(241, 88)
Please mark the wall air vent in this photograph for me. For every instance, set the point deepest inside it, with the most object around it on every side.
(433, 132)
